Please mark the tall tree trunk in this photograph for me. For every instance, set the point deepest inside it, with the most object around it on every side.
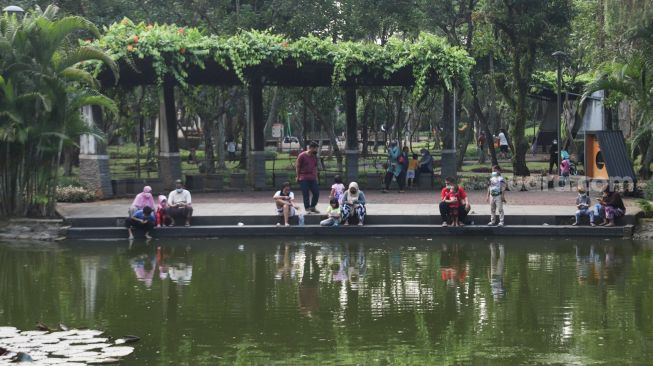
(364, 127)
(447, 119)
(645, 170)
(209, 156)
(221, 140)
(243, 106)
(274, 109)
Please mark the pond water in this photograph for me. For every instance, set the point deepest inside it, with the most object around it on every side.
(344, 301)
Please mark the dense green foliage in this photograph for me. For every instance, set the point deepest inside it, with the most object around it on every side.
(173, 49)
(41, 93)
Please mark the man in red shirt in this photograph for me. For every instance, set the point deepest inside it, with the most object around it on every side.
(444, 207)
(306, 168)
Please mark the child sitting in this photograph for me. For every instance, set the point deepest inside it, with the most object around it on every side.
(162, 218)
(453, 202)
(333, 214)
(410, 173)
(583, 203)
(337, 189)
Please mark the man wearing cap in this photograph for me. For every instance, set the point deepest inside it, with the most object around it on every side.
(179, 203)
(306, 169)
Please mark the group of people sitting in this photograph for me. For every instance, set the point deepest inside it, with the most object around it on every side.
(608, 207)
(143, 214)
(346, 205)
(405, 170)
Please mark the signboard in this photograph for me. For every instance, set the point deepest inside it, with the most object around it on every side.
(277, 130)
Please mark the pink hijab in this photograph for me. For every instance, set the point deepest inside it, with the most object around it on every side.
(144, 199)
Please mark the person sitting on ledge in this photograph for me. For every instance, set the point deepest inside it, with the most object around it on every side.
(353, 202)
(463, 201)
(141, 219)
(285, 203)
(610, 207)
(180, 204)
(142, 200)
(583, 203)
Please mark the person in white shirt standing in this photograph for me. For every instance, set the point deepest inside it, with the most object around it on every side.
(504, 147)
(231, 150)
(496, 196)
(180, 203)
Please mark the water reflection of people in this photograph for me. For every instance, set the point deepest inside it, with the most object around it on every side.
(453, 266)
(497, 266)
(597, 269)
(285, 262)
(308, 293)
(181, 269)
(351, 268)
(144, 267)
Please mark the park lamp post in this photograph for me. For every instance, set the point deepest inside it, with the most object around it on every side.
(558, 56)
(13, 10)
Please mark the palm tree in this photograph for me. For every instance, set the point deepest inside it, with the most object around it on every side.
(42, 88)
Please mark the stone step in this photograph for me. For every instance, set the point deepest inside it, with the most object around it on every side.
(367, 230)
(532, 220)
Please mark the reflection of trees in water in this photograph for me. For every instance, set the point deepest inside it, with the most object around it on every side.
(256, 300)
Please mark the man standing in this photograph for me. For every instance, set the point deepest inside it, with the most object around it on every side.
(444, 207)
(480, 143)
(179, 203)
(231, 150)
(306, 169)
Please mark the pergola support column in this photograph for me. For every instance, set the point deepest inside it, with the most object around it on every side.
(94, 170)
(257, 166)
(169, 157)
(351, 149)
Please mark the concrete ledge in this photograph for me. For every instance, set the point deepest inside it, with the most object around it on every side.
(368, 230)
(531, 220)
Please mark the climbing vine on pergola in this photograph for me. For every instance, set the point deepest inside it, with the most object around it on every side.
(168, 55)
(177, 52)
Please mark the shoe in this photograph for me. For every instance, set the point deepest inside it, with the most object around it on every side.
(401, 191)
(187, 224)
(360, 224)
(444, 224)
(491, 223)
(314, 210)
(592, 224)
(148, 236)
(287, 225)
(384, 191)
(500, 224)
(574, 224)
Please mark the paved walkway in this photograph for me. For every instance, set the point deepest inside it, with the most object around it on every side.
(410, 203)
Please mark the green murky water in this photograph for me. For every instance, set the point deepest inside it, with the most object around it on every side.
(347, 301)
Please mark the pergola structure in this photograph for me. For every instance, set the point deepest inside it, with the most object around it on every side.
(290, 71)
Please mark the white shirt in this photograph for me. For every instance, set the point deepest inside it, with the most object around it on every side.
(291, 196)
(183, 197)
(502, 139)
(496, 185)
(231, 147)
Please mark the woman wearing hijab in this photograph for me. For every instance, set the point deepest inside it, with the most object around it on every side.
(353, 203)
(142, 200)
(395, 167)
